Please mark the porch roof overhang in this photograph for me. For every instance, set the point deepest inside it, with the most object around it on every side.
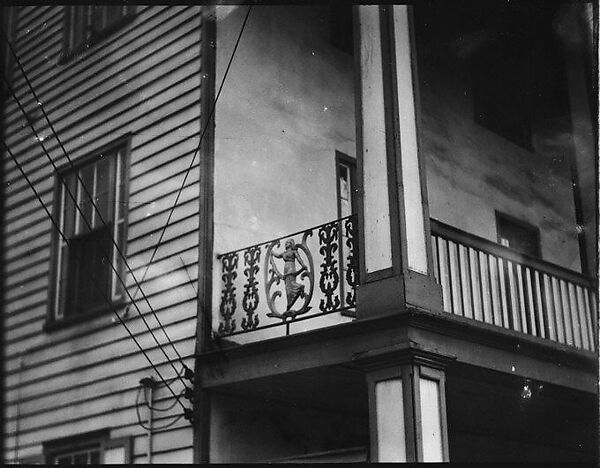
(463, 342)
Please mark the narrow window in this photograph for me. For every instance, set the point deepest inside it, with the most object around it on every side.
(518, 235)
(346, 204)
(346, 184)
(83, 276)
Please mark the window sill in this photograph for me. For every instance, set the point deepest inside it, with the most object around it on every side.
(59, 324)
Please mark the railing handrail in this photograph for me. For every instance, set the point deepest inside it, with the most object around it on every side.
(339, 220)
(506, 253)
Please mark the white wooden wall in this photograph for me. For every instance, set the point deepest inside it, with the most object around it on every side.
(145, 80)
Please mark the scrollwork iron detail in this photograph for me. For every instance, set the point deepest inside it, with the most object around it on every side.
(329, 279)
(351, 271)
(294, 280)
(228, 301)
(251, 299)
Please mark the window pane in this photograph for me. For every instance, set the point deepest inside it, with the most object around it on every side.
(66, 460)
(79, 19)
(81, 459)
(121, 208)
(89, 271)
(87, 177)
(117, 287)
(69, 206)
(63, 284)
(114, 455)
(101, 198)
(95, 457)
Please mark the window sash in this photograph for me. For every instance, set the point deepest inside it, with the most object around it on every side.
(91, 448)
(84, 23)
(110, 170)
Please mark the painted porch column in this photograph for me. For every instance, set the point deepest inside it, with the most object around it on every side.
(407, 412)
(396, 263)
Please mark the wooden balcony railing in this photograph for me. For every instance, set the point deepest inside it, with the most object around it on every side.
(305, 275)
(485, 281)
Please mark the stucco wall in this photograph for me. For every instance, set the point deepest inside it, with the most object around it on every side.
(471, 171)
(286, 107)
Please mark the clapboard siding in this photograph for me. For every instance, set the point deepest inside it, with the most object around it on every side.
(70, 336)
(25, 315)
(21, 192)
(149, 131)
(126, 430)
(88, 358)
(24, 141)
(145, 21)
(63, 382)
(90, 58)
(71, 73)
(143, 81)
(113, 417)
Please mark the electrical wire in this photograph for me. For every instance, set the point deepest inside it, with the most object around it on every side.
(39, 198)
(141, 420)
(151, 407)
(115, 244)
(210, 116)
(89, 226)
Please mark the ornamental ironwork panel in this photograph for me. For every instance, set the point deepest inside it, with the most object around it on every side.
(291, 287)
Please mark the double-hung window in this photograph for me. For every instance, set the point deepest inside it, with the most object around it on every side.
(85, 25)
(88, 449)
(91, 213)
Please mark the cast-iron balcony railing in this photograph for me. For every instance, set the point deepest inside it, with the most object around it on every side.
(485, 281)
(277, 282)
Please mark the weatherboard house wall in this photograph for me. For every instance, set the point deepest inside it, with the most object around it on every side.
(290, 105)
(140, 83)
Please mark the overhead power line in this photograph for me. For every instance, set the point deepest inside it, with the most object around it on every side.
(210, 116)
(88, 225)
(102, 293)
(89, 195)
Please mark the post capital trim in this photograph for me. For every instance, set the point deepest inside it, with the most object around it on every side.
(405, 353)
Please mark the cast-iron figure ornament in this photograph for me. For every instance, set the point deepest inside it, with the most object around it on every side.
(292, 278)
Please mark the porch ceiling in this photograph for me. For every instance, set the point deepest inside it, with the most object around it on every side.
(331, 388)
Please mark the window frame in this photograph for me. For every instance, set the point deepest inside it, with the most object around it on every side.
(503, 217)
(122, 144)
(350, 163)
(342, 158)
(68, 51)
(100, 439)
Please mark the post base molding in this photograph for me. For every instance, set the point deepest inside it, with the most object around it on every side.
(379, 298)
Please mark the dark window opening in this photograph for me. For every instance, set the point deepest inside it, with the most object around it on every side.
(502, 91)
(341, 28)
(86, 25)
(518, 235)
